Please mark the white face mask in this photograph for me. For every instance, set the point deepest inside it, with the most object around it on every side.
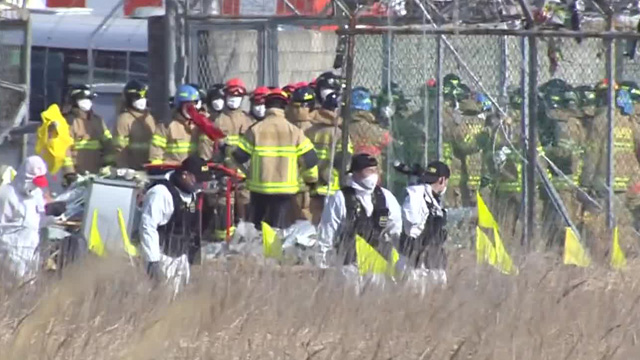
(217, 104)
(370, 182)
(259, 110)
(325, 92)
(233, 102)
(140, 104)
(199, 105)
(84, 104)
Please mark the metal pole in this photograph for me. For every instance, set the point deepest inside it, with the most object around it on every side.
(504, 73)
(610, 63)
(532, 143)
(26, 80)
(170, 46)
(346, 110)
(524, 126)
(92, 38)
(440, 95)
(386, 79)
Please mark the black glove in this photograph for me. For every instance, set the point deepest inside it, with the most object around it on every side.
(155, 271)
(55, 208)
(69, 179)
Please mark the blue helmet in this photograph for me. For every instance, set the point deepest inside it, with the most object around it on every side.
(186, 93)
(361, 99)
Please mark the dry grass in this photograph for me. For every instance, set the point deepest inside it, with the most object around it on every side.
(241, 310)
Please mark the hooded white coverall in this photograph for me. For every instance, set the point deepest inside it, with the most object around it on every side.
(22, 214)
(415, 212)
(333, 218)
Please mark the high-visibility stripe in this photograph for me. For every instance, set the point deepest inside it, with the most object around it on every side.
(304, 147)
(245, 145)
(222, 234)
(107, 135)
(232, 140)
(181, 147)
(87, 145)
(156, 161)
(67, 161)
(121, 141)
(159, 141)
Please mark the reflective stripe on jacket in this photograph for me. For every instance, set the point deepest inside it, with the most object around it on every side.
(174, 142)
(132, 140)
(277, 150)
(93, 143)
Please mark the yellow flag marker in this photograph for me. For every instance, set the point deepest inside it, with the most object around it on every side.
(96, 245)
(485, 252)
(271, 245)
(618, 259)
(129, 248)
(53, 138)
(370, 261)
(574, 252)
(493, 253)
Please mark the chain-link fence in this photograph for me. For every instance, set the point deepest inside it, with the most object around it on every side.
(465, 99)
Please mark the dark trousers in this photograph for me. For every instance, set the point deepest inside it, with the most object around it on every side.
(275, 210)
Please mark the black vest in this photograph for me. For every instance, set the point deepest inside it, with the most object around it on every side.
(358, 223)
(428, 248)
(181, 234)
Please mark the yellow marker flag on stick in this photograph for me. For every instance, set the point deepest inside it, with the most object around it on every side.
(574, 252)
(485, 252)
(96, 245)
(271, 245)
(129, 248)
(618, 259)
(370, 261)
(493, 253)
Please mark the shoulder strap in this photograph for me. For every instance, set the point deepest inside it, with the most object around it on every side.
(350, 201)
(175, 195)
(379, 200)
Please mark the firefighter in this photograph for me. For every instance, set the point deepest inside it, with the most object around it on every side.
(325, 134)
(300, 112)
(467, 117)
(257, 109)
(366, 134)
(234, 122)
(169, 221)
(215, 101)
(134, 128)
(633, 196)
(277, 150)
(93, 143)
(177, 140)
(360, 208)
(325, 84)
(566, 154)
(424, 220)
(301, 109)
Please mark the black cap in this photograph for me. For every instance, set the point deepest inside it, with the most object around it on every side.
(362, 161)
(196, 166)
(434, 171)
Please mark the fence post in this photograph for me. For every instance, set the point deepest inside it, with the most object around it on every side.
(26, 80)
(524, 126)
(532, 143)
(610, 63)
(440, 98)
(346, 115)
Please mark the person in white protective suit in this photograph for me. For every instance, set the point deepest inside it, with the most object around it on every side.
(424, 233)
(169, 224)
(361, 208)
(23, 212)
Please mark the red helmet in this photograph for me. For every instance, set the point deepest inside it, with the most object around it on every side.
(260, 93)
(432, 83)
(236, 87)
(278, 93)
(301, 84)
